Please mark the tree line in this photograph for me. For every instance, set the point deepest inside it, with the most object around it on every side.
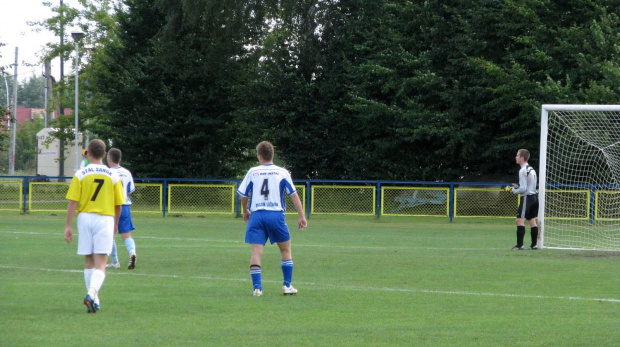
(350, 89)
(30, 94)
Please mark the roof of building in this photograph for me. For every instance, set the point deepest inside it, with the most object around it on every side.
(27, 113)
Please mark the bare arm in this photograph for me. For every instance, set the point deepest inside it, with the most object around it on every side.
(71, 208)
(301, 222)
(117, 216)
(244, 206)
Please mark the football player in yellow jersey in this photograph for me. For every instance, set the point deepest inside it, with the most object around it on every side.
(96, 193)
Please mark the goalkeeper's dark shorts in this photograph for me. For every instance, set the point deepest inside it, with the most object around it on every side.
(528, 207)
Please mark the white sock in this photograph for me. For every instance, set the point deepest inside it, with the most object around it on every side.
(96, 281)
(87, 275)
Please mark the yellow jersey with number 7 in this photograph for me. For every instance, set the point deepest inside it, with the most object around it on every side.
(97, 189)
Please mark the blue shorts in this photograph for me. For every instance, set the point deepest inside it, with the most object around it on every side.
(125, 224)
(265, 225)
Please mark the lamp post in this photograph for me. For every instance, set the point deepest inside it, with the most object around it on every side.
(6, 85)
(77, 37)
(8, 107)
(14, 119)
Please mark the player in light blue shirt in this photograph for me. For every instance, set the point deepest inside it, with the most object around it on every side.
(262, 194)
(125, 224)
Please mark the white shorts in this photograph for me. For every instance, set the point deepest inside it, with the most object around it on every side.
(95, 233)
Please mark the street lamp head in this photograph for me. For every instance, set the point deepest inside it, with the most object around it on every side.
(77, 35)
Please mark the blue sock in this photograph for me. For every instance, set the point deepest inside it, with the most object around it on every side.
(287, 271)
(113, 255)
(256, 278)
(130, 244)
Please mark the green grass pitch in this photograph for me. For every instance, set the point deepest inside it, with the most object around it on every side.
(362, 282)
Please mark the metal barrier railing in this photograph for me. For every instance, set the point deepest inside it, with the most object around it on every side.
(11, 195)
(28, 194)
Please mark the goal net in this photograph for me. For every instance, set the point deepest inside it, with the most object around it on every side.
(579, 177)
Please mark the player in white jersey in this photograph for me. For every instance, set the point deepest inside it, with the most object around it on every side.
(125, 224)
(96, 193)
(528, 206)
(262, 194)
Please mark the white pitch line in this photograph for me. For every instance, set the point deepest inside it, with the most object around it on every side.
(239, 242)
(60, 235)
(356, 288)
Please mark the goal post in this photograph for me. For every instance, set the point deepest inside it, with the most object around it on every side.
(579, 177)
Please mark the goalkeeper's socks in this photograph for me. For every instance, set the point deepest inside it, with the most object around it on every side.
(534, 234)
(87, 275)
(520, 235)
(130, 245)
(255, 273)
(114, 255)
(287, 271)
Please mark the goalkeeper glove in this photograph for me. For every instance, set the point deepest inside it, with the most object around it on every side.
(508, 188)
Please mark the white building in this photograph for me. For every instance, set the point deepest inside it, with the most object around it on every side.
(49, 155)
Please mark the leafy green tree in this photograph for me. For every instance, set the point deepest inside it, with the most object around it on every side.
(401, 90)
(26, 145)
(96, 19)
(4, 111)
(167, 86)
(31, 92)
(295, 95)
(6, 83)
(435, 95)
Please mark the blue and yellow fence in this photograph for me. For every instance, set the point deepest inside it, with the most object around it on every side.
(27, 194)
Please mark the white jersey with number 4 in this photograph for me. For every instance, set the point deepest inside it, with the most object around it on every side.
(266, 186)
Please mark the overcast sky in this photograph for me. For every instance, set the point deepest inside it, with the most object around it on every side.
(15, 32)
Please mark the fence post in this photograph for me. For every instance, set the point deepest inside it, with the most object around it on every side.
(238, 211)
(25, 195)
(308, 201)
(451, 202)
(592, 204)
(378, 202)
(164, 204)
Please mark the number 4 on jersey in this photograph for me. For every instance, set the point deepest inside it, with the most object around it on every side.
(264, 190)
